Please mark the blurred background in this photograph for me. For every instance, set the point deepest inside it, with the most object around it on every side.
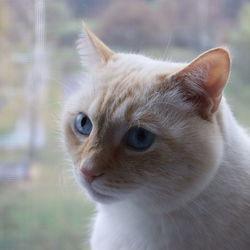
(40, 206)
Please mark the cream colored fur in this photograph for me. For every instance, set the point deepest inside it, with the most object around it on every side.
(191, 188)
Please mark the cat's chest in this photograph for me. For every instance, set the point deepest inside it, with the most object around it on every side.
(121, 230)
(139, 232)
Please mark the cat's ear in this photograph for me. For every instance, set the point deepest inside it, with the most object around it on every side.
(203, 80)
(93, 52)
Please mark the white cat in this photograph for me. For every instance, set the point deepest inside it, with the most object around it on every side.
(155, 144)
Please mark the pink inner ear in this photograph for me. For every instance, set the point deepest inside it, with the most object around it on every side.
(207, 74)
(217, 77)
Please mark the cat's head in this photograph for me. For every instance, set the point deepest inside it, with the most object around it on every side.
(145, 130)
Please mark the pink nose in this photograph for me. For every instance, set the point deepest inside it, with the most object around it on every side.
(90, 175)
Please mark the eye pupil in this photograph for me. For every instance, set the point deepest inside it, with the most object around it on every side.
(83, 121)
(139, 138)
(141, 135)
(83, 124)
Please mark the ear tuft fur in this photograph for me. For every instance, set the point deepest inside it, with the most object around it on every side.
(92, 51)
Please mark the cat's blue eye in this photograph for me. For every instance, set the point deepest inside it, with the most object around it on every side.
(139, 138)
(83, 124)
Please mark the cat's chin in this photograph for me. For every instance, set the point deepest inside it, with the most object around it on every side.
(95, 195)
(101, 198)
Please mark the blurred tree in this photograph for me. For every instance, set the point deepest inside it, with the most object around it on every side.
(22, 16)
(11, 31)
(199, 27)
(62, 32)
(178, 22)
(242, 34)
(131, 24)
(4, 48)
(87, 8)
(15, 42)
(59, 20)
(231, 8)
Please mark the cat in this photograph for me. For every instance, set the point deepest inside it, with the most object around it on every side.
(156, 146)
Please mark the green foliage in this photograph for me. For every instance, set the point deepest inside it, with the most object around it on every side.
(241, 42)
(238, 96)
(242, 35)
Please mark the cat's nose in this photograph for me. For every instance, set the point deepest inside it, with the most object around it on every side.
(89, 174)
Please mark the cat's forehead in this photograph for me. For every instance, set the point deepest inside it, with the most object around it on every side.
(140, 66)
(120, 90)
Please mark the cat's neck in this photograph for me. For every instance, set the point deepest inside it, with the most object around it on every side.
(236, 140)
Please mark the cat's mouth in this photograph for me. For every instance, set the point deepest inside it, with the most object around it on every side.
(95, 192)
(100, 197)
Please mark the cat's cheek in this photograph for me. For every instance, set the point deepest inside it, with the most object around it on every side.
(79, 179)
